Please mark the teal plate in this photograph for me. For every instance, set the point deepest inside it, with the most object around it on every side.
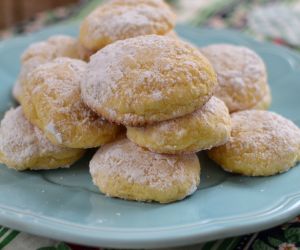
(64, 204)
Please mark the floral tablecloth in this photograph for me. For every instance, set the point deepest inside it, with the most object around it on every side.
(276, 21)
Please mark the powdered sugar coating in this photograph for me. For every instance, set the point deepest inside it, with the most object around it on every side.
(52, 101)
(118, 20)
(241, 75)
(147, 79)
(23, 146)
(261, 143)
(136, 165)
(203, 129)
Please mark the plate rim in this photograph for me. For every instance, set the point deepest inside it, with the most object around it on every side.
(170, 237)
(286, 208)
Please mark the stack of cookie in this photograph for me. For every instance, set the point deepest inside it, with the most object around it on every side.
(160, 89)
(129, 72)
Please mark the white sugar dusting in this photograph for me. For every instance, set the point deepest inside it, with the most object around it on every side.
(137, 165)
(20, 141)
(157, 95)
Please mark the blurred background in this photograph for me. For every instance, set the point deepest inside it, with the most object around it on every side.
(14, 11)
(275, 20)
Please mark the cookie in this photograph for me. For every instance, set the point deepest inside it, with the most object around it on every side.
(147, 79)
(122, 169)
(122, 19)
(242, 77)
(262, 143)
(205, 128)
(53, 103)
